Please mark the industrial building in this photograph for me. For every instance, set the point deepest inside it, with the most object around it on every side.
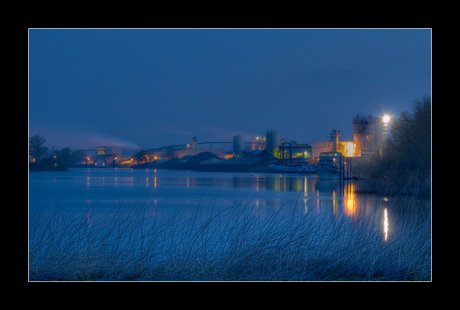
(258, 143)
(368, 133)
(280, 148)
(347, 148)
(293, 150)
(107, 155)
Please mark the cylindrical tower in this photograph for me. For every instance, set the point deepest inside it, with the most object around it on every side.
(272, 141)
(238, 145)
(358, 128)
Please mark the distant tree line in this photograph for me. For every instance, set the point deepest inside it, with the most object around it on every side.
(42, 158)
(404, 158)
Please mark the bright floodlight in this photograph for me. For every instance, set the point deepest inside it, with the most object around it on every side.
(386, 119)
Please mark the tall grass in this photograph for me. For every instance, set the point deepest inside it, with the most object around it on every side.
(234, 244)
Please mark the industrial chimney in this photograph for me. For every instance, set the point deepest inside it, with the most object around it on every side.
(335, 139)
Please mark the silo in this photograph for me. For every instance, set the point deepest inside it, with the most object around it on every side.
(238, 145)
(358, 126)
(272, 141)
(358, 131)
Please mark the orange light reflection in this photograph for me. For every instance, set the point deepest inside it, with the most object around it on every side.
(349, 199)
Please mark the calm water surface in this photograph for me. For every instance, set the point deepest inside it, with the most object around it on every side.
(82, 188)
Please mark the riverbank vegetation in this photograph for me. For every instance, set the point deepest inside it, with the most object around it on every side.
(235, 244)
(403, 163)
(41, 158)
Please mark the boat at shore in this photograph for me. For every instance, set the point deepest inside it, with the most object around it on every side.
(292, 169)
(328, 167)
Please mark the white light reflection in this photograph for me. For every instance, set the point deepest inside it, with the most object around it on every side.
(385, 224)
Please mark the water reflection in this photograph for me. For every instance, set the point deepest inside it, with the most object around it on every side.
(262, 191)
(309, 185)
(279, 183)
(385, 224)
(349, 198)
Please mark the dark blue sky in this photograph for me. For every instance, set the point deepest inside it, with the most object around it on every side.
(135, 87)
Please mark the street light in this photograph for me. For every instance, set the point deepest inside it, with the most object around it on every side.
(386, 119)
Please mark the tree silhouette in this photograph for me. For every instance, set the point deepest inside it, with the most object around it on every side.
(36, 147)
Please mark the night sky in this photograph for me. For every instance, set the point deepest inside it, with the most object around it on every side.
(135, 87)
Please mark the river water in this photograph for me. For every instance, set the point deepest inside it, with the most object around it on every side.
(83, 188)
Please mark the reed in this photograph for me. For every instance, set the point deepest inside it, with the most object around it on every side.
(240, 243)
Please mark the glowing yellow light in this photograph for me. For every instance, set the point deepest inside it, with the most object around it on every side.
(386, 118)
(350, 149)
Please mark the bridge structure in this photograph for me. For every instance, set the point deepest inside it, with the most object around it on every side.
(166, 152)
(185, 146)
(180, 150)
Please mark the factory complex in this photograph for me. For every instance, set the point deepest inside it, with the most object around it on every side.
(258, 154)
